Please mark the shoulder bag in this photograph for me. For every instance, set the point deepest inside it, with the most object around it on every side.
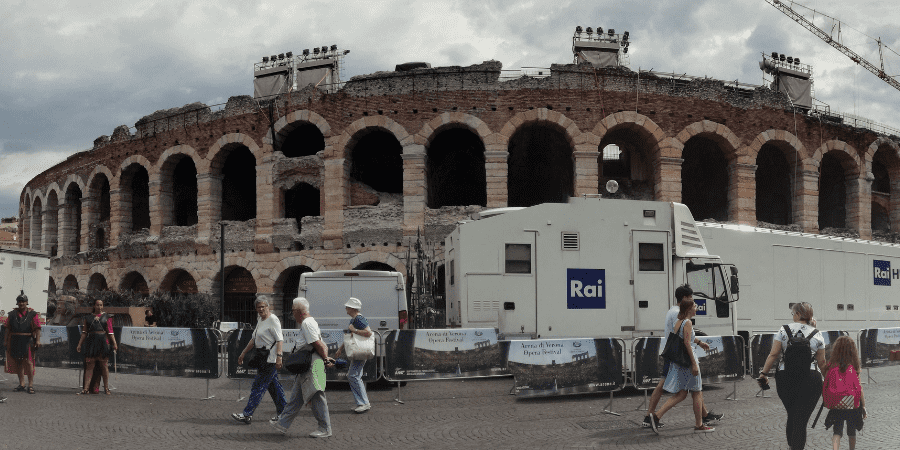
(257, 357)
(358, 347)
(675, 352)
(299, 361)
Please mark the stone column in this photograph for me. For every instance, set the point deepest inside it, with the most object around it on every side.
(209, 211)
(266, 206)
(119, 215)
(667, 179)
(496, 170)
(894, 211)
(88, 216)
(49, 228)
(742, 193)
(859, 204)
(587, 171)
(335, 187)
(36, 230)
(414, 191)
(161, 212)
(806, 199)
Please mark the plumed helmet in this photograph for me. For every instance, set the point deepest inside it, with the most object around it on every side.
(22, 298)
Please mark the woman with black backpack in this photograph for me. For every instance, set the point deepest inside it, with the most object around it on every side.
(800, 348)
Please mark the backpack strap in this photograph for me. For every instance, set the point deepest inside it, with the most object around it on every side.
(812, 333)
(788, 332)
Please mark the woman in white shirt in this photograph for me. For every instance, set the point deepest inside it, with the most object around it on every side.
(799, 394)
(266, 335)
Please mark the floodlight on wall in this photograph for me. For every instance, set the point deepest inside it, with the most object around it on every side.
(289, 54)
(305, 52)
(790, 59)
(265, 59)
(611, 32)
(316, 50)
(324, 50)
(797, 61)
(625, 36)
(774, 55)
(281, 56)
(273, 58)
(589, 31)
(333, 48)
(599, 30)
(781, 57)
(578, 30)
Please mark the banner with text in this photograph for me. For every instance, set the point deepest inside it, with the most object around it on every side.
(648, 364)
(168, 352)
(761, 346)
(443, 353)
(549, 367)
(876, 345)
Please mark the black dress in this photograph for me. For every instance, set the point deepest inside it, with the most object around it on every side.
(96, 345)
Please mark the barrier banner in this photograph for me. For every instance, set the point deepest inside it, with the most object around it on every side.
(876, 344)
(58, 346)
(170, 352)
(549, 367)
(761, 346)
(333, 339)
(724, 361)
(443, 353)
(648, 364)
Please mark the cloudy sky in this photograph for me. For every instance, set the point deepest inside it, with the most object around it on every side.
(71, 71)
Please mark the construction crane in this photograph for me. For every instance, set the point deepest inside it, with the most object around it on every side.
(797, 17)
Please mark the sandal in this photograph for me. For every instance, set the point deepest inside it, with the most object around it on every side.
(83, 392)
(30, 390)
(19, 388)
(106, 390)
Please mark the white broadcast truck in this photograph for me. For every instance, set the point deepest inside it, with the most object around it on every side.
(591, 267)
(852, 284)
(382, 293)
(23, 270)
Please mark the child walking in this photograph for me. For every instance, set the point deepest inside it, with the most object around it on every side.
(842, 377)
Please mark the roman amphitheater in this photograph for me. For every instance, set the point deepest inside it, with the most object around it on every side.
(346, 178)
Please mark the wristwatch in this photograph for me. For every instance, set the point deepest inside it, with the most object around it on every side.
(279, 355)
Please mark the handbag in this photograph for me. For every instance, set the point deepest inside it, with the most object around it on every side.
(299, 361)
(675, 352)
(359, 348)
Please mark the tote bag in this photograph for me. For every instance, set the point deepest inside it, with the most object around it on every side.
(358, 347)
(675, 352)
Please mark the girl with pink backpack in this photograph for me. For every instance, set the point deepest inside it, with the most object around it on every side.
(842, 393)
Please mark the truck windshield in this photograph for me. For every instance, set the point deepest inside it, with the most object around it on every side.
(706, 280)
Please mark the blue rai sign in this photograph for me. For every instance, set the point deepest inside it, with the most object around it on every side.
(701, 306)
(882, 271)
(586, 288)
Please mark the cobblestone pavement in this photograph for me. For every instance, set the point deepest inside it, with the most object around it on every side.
(157, 412)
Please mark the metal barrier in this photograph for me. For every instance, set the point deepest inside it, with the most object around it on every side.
(875, 347)
(761, 346)
(550, 367)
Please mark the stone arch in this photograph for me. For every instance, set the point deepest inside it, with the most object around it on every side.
(777, 184)
(528, 160)
(727, 141)
(178, 198)
(286, 124)
(228, 168)
(841, 173)
(455, 161)
(135, 280)
(70, 283)
(241, 287)
(97, 282)
(295, 261)
(391, 165)
(883, 156)
(100, 170)
(453, 119)
(285, 289)
(641, 139)
(99, 207)
(214, 155)
(376, 256)
(356, 130)
(134, 195)
(852, 156)
(712, 164)
(180, 280)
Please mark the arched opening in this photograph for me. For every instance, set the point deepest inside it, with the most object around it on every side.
(375, 265)
(773, 186)
(97, 283)
(51, 287)
(136, 283)
(455, 169)
(240, 294)
(239, 185)
(136, 196)
(37, 224)
(704, 179)
(882, 181)
(833, 190)
(98, 218)
(304, 140)
(541, 168)
(301, 201)
(179, 282)
(881, 219)
(73, 220)
(104, 207)
(623, 158)
(184, 193)
(100, 239)
(287, 288)
(377, 162)
(70, 284)
(52, 219)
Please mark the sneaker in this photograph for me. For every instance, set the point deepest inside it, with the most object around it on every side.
(712, 417)
(2, 399)
(646, 422)
(362, 408)
(704, 429)
(320, 434)
(274, 424)
(655, 423)
(240, 417)
(274, 418)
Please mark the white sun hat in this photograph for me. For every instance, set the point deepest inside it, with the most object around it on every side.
(354, 303)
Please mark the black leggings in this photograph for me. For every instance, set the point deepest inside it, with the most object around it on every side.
(799, 397)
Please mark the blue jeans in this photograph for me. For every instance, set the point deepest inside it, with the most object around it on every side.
(354, 377)
(318, 404)
(266, 379)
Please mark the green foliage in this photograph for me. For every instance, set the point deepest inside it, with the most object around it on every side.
(179, 310)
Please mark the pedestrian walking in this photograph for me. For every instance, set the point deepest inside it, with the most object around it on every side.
(652, 420)
(23, 338)
(681, 379)
(799, 348)
(842, 381)
(268, 336)
(358, 326)
(97, 337)
(309, 387)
